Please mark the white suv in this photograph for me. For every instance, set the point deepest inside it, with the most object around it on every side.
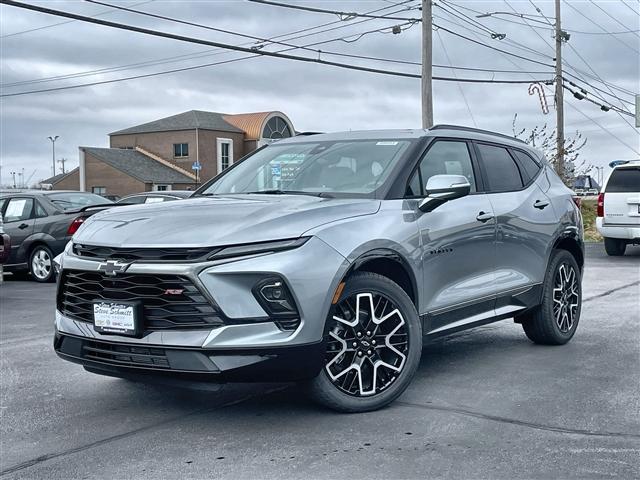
(619, 208)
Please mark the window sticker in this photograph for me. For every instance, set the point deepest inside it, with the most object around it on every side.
(15, 208)
(387, 143)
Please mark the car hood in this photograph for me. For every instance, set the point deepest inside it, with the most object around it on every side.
(217, 221)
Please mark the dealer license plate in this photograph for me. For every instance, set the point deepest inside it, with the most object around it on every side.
(117, 318)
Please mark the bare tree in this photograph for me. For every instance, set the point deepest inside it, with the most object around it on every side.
(544, 138)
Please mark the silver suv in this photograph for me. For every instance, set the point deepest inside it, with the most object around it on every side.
(328, 259)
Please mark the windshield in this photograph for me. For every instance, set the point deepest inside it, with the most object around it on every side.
(74, 201)
(342, 167)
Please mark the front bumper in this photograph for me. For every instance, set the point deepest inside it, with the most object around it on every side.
(623, 232)
(159, 363)
(251, 345)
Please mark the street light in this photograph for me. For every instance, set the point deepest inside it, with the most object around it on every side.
(53, 146)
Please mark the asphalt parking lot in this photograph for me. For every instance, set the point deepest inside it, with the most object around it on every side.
(486, 403)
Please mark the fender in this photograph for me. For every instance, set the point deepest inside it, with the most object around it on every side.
(569, 238)
(389, 254)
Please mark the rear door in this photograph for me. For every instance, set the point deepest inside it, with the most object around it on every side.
(622, 197)
(19, 221)
(526, 222)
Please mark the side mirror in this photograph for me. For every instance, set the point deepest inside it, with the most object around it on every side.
(443, 188)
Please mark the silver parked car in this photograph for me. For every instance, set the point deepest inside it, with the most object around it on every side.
(328, 259)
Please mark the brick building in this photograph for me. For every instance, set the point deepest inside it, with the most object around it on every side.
(159, 155)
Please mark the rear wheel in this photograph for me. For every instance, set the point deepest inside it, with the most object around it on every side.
(41, 264)
(614, 246)
(373, 348)
(555, 321)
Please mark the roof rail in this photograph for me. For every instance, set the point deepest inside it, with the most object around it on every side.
(475, 130)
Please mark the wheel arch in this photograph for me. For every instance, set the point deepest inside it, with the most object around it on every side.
(571, 242)
(390, 264)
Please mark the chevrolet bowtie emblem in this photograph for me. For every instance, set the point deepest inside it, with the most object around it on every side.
(113, 267)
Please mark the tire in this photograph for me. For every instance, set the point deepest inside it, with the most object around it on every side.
(555, 321)
(394, 343)
(41, 264)
(615, 247)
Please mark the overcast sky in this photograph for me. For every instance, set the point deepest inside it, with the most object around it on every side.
(315, 97)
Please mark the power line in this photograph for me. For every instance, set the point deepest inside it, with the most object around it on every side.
(611, 106)
(65, 22)
(343, 15)
(478, 12)
(600, 26)
(588, 117)
(224, 46)
(492, 47)
(464, 97)
(634, 10)
(211, 52)
(182, 38)
(612, 17)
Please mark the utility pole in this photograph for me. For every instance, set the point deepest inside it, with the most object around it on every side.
(427, 65)
(53, 146)
(559, 97)
(62, 161)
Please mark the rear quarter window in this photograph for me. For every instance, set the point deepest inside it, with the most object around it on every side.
(624, 180)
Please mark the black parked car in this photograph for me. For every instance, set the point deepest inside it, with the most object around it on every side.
(155, 197)
(40, 223)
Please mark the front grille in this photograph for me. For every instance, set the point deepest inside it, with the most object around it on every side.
(126, 355)
(169, 301)
(101, 253)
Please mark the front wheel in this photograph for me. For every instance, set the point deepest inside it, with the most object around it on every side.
(555, 321)
(614, 247)
(373, 348)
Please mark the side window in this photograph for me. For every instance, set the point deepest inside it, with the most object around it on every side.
(414, 189)
(40, 212)
(445, 157)
(18, 209)
(135, 200)
(530, 166)
(503, 174)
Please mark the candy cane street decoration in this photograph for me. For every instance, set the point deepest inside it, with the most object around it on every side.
(537, 87)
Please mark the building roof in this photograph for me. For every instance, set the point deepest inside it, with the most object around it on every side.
(56, 178)
(250, 123)
(138, 165)
(184, 121)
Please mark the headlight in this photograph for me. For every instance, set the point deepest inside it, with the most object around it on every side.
(257, 248)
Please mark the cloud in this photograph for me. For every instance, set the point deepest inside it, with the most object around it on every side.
(316, 97)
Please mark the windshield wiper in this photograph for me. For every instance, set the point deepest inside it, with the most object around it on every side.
(276, 191)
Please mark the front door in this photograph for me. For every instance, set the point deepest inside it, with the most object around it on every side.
(18, 222)
(458, 242)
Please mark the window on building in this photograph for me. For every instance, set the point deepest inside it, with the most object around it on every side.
(225, 153)
(503, 173)
(180, 150)
(275, 128)
(160, 187)
(99, 190)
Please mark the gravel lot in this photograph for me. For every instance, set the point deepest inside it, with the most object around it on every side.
(486, 403)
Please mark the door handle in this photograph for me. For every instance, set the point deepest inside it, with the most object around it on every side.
(22, 226)
(484, 217)
(541, 204)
